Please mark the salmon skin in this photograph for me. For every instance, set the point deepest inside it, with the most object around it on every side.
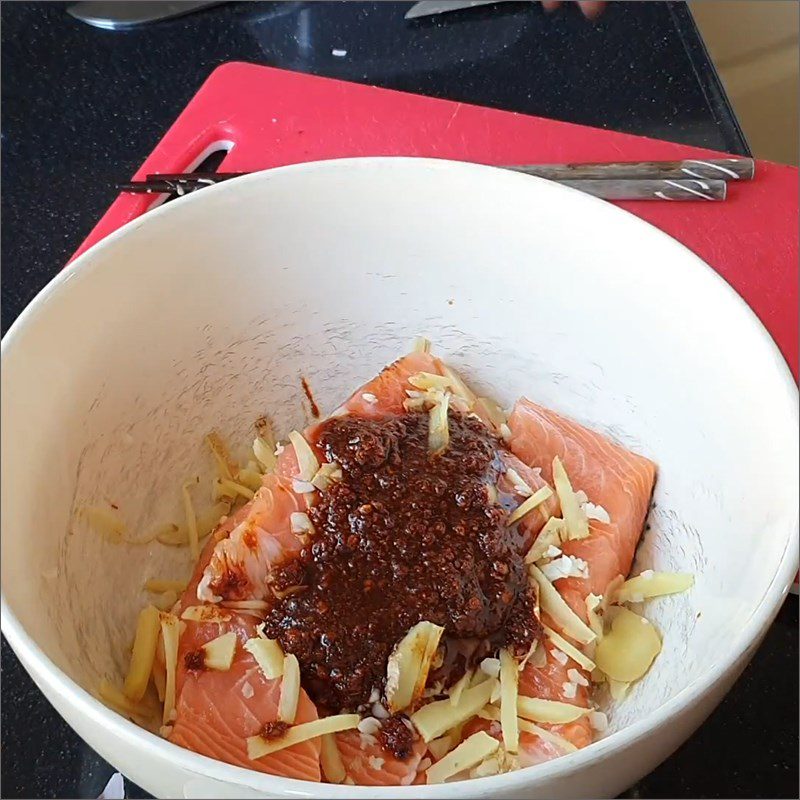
(217, 710)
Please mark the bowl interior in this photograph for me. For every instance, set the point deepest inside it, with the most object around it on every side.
(207, 314)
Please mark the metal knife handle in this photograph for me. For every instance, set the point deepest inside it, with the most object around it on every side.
(651, 189)
(608, 189)
(712, 168)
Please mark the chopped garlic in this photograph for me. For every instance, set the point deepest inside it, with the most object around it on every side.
(551, 711)
(438, 428)
(536, 499)
(520, 487)
(574, 516)
(302, 487)
(247, 690)
(552, 534)
(219, 652)
(258, 746)
(331, 760)
(652, 584)
(576, 677)
(290, 689)
(565, 567)
(565, 649)
(570, 689)
(491, 666)
(409, 664)
(469, 753)
(306, 459)
(438, 717)
(327, 474)
(626, 652)
(561, 657)
(509, 681)
(554, 605)
(596, 512)
(370, 398)
(148, 628)
(301, 523)
(505, 432)
(376, 762)
(369, 726)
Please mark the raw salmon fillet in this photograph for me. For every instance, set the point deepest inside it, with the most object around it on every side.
(217, 711)
(611, 476)
(615, 478)
(368, 764)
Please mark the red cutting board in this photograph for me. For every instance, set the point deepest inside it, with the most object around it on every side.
(273, 117)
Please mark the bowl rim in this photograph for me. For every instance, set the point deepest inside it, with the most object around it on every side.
(141, 740)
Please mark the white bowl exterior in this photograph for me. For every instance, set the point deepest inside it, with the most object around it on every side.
(205, 314)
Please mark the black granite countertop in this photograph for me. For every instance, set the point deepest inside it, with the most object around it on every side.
(82, 107)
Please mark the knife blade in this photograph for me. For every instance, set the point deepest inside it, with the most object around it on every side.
(113, 15)
(427, 8)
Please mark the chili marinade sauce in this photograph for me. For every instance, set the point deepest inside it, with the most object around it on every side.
(404, 536)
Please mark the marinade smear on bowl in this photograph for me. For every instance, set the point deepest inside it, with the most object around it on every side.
(404, 536)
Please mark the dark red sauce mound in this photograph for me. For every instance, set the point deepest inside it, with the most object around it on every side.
(403, 537)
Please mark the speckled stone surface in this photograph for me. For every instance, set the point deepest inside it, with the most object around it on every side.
(82, 107)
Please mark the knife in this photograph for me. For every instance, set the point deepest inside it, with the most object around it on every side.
(115, 15)
(427, 8)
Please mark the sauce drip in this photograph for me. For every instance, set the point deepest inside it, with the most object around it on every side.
(403, 537)
(312, 404)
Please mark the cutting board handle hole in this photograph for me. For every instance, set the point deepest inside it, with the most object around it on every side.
(211, 158)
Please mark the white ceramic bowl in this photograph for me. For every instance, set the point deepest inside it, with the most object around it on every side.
(206, 313)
